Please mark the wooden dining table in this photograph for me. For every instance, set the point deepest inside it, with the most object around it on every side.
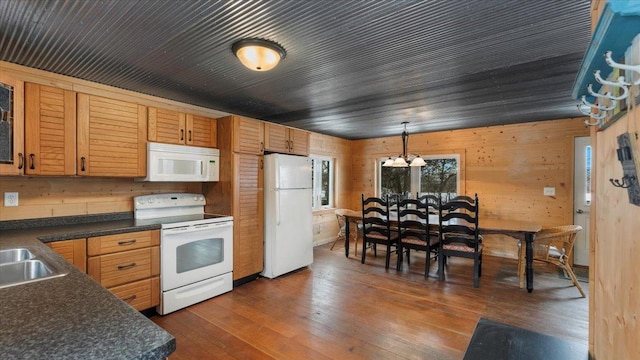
(524, 231)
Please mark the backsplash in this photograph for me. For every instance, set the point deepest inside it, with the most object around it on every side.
(44, 197)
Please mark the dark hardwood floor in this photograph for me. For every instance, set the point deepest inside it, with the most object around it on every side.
(341, 309)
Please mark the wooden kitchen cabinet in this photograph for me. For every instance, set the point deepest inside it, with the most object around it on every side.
(74, 251)
(173, 127)
(201, 131)
(12, 159)
(128, 265)
(240, 192)
(241, 135)
(141, 295)
(111, 137)
(282, 139)
(248, 216)
(50, 123)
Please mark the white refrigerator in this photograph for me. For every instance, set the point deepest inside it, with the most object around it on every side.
(288, 231)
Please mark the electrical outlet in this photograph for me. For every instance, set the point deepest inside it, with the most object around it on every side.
(549, 191)
(10, 199)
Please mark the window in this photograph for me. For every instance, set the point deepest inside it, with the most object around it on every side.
(441, 176)
(322, 178)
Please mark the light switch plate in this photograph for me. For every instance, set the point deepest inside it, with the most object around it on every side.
(549, 191)
(10, 199)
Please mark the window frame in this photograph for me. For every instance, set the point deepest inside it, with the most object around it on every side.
(416, 172)
(316, 185)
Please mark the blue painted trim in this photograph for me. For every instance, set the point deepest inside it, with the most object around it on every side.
(618, 25)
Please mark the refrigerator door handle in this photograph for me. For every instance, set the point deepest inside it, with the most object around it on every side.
(277, 207)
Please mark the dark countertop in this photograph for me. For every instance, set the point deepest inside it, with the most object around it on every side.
(73, 316)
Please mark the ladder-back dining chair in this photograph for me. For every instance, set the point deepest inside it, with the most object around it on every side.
(377, 227)
(460, 235)
(413, 224)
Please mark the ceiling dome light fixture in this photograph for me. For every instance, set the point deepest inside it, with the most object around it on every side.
(403, 159)
(258, 54)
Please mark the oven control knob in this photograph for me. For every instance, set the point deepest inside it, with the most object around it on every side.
(150, 201)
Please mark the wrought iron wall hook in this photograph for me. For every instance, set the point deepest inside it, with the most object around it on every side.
(625, 183)
(613, 64)
(620, 83)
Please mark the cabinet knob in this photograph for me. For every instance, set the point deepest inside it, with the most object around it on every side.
(189, 136)
(82, 168)
(21, 162)
(181, 134)
(32, 158)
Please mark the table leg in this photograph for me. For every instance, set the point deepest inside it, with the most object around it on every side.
(528, 237)
(346, 236)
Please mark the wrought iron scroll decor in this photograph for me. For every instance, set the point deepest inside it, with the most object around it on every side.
(629, 178)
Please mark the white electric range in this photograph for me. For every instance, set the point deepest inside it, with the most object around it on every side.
(196, 248)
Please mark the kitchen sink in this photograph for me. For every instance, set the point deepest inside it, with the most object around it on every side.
(26, 269)
(14, 255)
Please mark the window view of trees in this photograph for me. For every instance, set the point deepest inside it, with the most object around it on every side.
(395, 181)
(322, 179)
(439, 177)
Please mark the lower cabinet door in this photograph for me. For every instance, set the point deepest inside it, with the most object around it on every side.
(141, 295)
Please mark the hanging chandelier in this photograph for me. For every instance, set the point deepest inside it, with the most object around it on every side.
(404, 160)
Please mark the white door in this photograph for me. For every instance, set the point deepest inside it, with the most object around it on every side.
(582, 198)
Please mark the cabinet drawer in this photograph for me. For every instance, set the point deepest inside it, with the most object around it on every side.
(127, 266)
(141, 295)
(108, 244)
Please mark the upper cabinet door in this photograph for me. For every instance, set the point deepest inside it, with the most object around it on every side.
(50, 122)
(298, 142)
(282, 139)
(11, 125)
(166, 126)
(248, 136)
(201, 131)
(112, 137)
(276, 138)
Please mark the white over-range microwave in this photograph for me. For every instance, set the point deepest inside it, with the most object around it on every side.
(181, 163)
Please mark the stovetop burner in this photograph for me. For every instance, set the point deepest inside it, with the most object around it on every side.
(173, 210)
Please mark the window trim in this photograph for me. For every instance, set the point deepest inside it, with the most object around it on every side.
(316, 186)
(415, 171)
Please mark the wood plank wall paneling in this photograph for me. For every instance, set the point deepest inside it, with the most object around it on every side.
(325, 225)
(41, 197)
(615, 295)
(508, 166)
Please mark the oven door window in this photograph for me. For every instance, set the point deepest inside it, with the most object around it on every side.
(199, 254)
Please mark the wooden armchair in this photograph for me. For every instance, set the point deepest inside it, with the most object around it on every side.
(554, 245)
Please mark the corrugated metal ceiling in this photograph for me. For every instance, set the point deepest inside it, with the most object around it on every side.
(354, 69)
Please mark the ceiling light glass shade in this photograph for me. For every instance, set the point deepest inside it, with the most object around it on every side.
(418, 162)
(388, 162)
(400, 162)
(258, 54)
